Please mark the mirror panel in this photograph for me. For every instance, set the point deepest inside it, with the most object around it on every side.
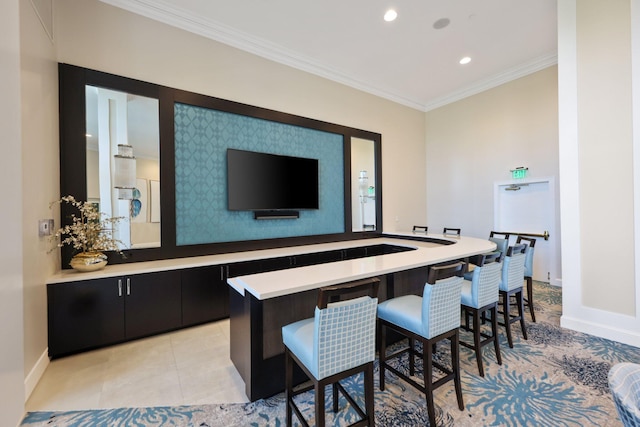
(116, 123)
(363, 185)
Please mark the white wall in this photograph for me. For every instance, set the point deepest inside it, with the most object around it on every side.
(475, 142)
(11, 324)
(599, 154)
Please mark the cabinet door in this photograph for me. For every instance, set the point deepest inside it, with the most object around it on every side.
(244, 268)
(205, 295)
(84, 315)
(152, 303)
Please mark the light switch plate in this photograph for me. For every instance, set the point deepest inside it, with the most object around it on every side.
(45, 227)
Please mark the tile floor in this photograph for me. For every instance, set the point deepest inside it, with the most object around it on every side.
(186, 367)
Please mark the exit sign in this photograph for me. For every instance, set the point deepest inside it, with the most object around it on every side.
(519, 173)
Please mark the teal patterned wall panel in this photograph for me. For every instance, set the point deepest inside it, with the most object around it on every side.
(202, 137)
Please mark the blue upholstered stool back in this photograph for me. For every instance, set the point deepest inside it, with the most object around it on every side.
(343, 336)
(485, 283)
(528, 261)
(624, 382)
(502, 244)
(512, 272)
(441, 306)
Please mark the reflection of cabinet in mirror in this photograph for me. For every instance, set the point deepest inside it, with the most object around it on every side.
(114, 120)
(363, 195)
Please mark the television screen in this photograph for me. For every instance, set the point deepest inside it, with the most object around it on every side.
(261, 181)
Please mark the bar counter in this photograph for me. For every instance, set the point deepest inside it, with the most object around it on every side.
(260, 304)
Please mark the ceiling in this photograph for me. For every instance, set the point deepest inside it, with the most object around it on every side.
(407, 61)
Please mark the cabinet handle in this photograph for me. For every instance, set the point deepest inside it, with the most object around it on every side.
(128, 286)
(221, 273)
(119, 287)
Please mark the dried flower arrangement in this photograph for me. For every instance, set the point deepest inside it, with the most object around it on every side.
(88, 232)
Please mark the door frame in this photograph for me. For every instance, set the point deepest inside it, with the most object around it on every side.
(554, 247)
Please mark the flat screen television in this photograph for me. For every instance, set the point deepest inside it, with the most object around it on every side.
(270, 182)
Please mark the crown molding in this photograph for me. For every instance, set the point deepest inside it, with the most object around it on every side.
(161, 11)
(179, 18)
(506, 76)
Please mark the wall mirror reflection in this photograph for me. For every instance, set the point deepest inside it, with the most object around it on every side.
(123, 163)
(363, 185)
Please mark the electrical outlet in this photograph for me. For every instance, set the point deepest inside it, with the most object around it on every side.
(45, 227)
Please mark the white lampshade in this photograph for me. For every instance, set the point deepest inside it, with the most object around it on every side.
(124, 175)
(363, 180)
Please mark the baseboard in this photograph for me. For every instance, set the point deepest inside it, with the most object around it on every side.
(630, 337)
(32, 379)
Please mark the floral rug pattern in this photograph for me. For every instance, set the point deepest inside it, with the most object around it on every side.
(557, 377)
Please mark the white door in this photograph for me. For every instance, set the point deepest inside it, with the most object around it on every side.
(528, 207)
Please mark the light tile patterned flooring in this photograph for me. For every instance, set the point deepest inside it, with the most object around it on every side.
(186, 367)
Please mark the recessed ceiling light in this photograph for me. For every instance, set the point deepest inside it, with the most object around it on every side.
(465, 60)
(390, 15)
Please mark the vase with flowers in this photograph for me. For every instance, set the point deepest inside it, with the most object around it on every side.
(89, 234)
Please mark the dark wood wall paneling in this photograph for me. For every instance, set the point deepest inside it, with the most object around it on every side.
(72, 81)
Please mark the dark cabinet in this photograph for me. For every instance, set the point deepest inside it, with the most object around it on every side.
(245, 268)
(94, 313)
(88, 314)
(153, 303)
(205, 295)
(317, 258)
(84, 315)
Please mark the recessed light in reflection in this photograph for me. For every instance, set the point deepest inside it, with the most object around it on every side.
(465, 60)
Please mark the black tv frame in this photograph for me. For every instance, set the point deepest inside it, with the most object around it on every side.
(246, 192)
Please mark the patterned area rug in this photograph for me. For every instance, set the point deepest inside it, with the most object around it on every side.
(555, 378)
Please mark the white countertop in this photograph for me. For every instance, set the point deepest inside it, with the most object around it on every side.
(116, 270)
(284, 282)
(465, 246)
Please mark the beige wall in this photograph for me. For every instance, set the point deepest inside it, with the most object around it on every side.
(605, 144)
(475, 142)
(39, 93)
(599, 154)
(11, 323)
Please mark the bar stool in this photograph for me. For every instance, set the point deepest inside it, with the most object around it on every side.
(511, 286)
(420, 229)
(528, 272)
(624, 383)
(451, 231)
(479, 296)
(428, 319)
(502, 243)
(337, 343)
(501, 240)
